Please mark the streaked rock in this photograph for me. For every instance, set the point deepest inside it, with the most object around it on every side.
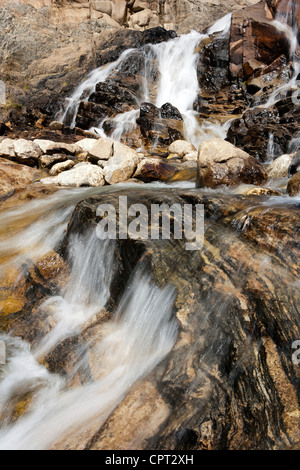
(262, 192)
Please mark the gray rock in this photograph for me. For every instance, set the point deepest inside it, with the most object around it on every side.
(7, 149)
(27, 152)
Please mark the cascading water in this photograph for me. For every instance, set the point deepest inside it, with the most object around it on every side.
(115, 355)
(176, 62)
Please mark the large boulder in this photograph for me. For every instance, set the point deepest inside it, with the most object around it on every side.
(81, 175)
(151, 169)
(119, 169)
(121, 165)
(219, 162)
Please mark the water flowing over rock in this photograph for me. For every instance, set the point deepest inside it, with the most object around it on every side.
(162, 313)
(234, 335)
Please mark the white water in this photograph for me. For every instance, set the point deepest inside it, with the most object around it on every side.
(139, 336)
(176, 62)
(222, 25)
(116, 353)
(87, 87)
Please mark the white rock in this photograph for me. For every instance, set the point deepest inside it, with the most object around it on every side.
(86, 144)
(47, 146)
(84, 175)
(191, 157)
(279, 167)
(62, 166)
(7, 148)
(125, 151)
(102, 149)
(120, 168)
(27, 149)
(181, 148)
(219, 151)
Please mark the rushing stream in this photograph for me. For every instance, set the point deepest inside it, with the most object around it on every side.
(142, 329)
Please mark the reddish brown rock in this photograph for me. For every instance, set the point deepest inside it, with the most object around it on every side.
(252, 37)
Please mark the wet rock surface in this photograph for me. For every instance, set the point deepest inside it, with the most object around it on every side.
(229, 382)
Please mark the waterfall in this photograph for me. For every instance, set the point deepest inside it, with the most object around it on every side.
(113, 354)
(270, 149)
(138, 337)
(176, 63)
(87, 87)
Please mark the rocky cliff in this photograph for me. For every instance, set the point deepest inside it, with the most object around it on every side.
(48, 46)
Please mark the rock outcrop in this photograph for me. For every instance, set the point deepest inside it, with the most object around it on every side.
(50, 46)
